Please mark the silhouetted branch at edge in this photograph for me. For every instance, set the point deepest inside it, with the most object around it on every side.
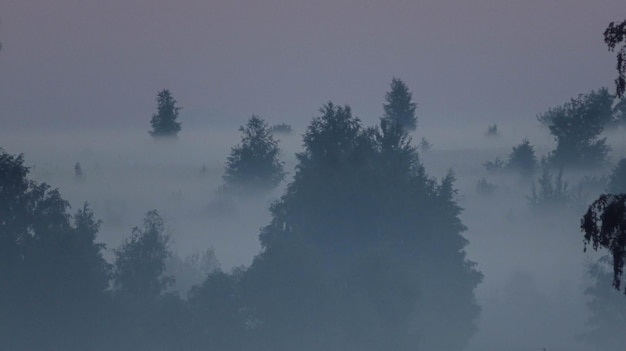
(604, 225)
(613, 35)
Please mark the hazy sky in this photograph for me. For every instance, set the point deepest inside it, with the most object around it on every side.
(100, 63)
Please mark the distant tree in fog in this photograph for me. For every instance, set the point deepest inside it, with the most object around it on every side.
(604, 225)
(164, 123)
(617, 181)
(364, 250)
(399, 106)
(576, 127)
(253, 164)
(140, 261)
(522, 159)
(551, 192)
(614, 35)
(53, 276)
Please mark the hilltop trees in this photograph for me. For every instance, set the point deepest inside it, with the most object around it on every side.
(52, 272)
(164, 123)
(368, 245)
(253, 165)
(399, 106)
(576, 127)
(140, 261)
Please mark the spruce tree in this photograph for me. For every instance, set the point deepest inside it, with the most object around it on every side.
(164, 123)
(399, 106)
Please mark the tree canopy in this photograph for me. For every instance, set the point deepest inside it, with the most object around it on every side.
(52, 272)
(363, 248)
(604, 225)
(614, 35)
(399, 106)
(253, 164)
(576, 127)
(164, 123)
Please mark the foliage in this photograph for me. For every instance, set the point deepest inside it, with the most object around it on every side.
(281, 128)
(52, 272)
(576, 127)
(164, 123)
(604, 225)
(617, 181)
(140, 261)
(552, 193)
(522, 159)
(492, 130)
(399, 106)
(363, 248)
(614, 35)
(253, 165)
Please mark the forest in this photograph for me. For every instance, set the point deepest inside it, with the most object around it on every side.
(344, 237)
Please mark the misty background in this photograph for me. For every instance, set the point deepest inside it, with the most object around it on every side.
(78, 82)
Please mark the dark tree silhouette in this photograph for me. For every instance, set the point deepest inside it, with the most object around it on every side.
(364, 249)
(53, 276)
(399, 106)
(164, 123)
(614, 35)
(604, 225)
(253, 165)
(522, 159)
(140, 261)
(576, 127)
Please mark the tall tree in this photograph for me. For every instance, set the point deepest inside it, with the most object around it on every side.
(399, 106)
(253, 164)
(363, 248)
(164, 123)
(576, 127)
(613, 36)
(52, 272)
(140, 261)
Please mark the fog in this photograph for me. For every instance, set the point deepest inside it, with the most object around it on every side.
(77, 87)
(535, 271)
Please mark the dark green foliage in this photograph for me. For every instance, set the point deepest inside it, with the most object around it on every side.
(364, 250)
(617, 182)
(218, 319)
(53, 277)
(140, 261)
(552, 192)
(522, 159)
(164, 123)
(614, 35)
(281, 128)
(399, 106)
(604, 225)
(576, 127)
(253, 165)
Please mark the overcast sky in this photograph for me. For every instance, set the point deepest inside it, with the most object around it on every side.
(100, 63)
